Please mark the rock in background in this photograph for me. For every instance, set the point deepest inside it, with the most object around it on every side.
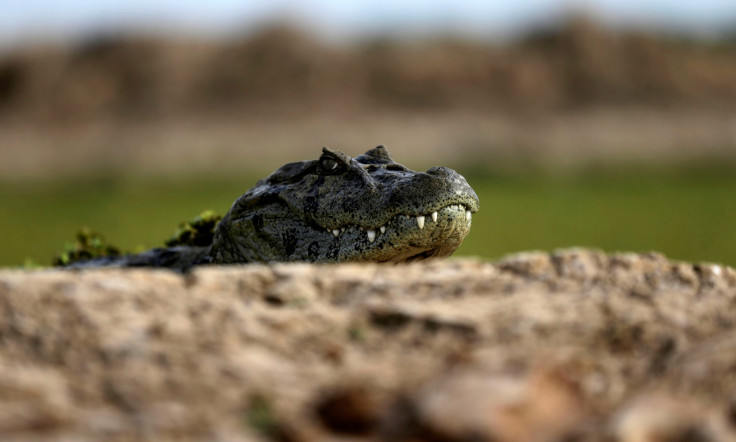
(576, 345)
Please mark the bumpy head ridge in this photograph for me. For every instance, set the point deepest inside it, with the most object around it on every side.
(343, 209)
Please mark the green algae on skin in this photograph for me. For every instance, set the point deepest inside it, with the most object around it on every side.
(198, 231)
(88, 245)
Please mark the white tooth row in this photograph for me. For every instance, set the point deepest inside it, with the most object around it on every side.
(371, 233)
(420, 222)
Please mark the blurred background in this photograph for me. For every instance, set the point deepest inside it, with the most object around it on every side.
(600, 123)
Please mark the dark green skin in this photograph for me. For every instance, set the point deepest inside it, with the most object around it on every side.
(292, 215)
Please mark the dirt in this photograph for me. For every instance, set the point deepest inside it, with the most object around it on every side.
(574, 345)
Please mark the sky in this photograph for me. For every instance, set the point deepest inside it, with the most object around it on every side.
(28, 21)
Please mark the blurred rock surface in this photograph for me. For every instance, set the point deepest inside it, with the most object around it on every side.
(573, 345)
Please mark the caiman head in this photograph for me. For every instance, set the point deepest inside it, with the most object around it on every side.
(343, 209)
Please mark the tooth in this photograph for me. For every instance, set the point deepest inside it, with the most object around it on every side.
(434, 216)
(420, 222)
(371, 235)
(336, 232)
(467, 215)
(383, 229)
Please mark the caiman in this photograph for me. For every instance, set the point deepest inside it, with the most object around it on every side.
(331, 210)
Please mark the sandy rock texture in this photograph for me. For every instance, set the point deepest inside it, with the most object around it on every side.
(575, 345)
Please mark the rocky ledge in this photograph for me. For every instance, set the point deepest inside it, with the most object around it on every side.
(574, 345)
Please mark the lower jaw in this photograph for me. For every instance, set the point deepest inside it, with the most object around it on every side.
(439, 237)
(432, 253)
(414, 253)
(419, 249)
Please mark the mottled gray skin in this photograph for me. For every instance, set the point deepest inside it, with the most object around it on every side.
(331, 210)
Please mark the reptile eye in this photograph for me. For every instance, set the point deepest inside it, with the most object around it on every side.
(329, 165)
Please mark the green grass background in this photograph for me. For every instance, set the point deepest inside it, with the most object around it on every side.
(687, 213)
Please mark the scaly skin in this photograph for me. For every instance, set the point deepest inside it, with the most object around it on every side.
(335, 209)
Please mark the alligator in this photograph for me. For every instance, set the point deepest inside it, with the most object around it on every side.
(331, 210)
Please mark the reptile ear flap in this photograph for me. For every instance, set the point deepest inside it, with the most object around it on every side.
(379, 153)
